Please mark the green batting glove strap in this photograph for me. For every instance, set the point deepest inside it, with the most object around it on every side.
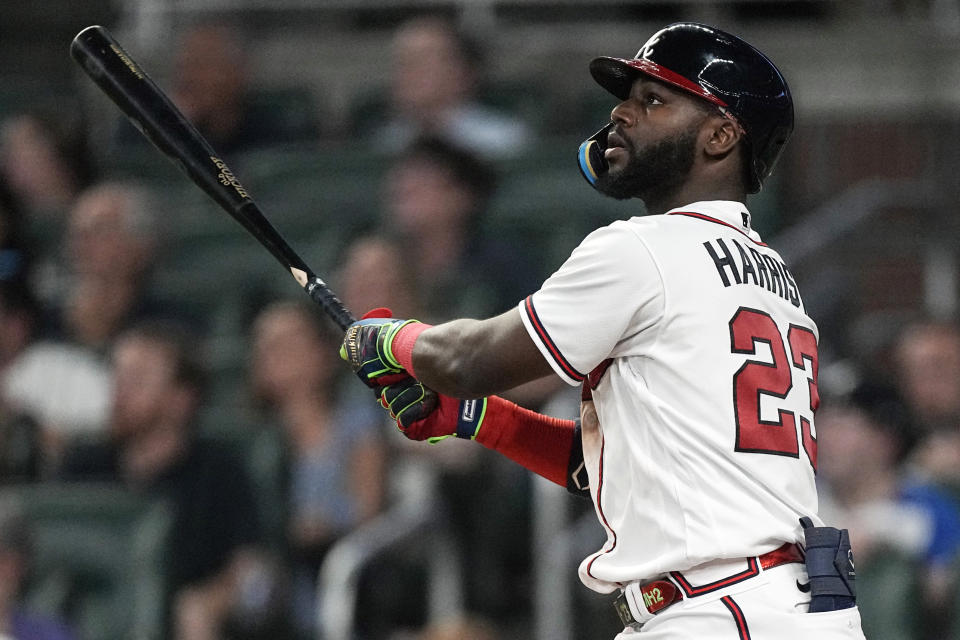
(385, 339)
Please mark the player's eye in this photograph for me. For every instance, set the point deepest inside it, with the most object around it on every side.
(653, 99)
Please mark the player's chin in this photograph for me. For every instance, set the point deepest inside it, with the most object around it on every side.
(615, 185)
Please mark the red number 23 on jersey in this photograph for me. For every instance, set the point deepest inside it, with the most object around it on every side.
(757, 378)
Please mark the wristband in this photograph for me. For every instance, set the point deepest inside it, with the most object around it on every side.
(401, 345)
(470, 417)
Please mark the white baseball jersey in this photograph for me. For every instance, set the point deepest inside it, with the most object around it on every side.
(705, 367)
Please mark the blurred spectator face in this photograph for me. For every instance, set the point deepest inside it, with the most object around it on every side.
(145, 385)
(374, 275)
(32, 165)
(431, 72)
(929, 370)
(424, 196)
(850, 442)
(102, 237)
(209, 71)
(289, 357)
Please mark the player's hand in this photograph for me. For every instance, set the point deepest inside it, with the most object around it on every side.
(423, 414)
(366, 347)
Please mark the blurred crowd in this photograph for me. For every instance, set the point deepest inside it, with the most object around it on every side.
(104, 381)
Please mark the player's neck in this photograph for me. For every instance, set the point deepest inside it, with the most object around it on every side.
(694, 192)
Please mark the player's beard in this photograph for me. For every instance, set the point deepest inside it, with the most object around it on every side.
(654, 171)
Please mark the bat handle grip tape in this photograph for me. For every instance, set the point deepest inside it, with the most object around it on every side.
(321, 294)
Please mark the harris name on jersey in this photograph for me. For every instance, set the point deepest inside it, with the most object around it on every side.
(746, 265)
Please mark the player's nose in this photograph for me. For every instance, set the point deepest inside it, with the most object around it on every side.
(623, 114)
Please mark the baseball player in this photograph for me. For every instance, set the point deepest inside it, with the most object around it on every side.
(697, 361)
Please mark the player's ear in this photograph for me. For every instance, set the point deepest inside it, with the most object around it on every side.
(723, 135)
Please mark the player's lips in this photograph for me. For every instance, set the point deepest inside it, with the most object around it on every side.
(615, 140)
(616, 146)
(612, 153)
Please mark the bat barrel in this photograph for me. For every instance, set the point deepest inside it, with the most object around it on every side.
(132, 90)
(152, 112)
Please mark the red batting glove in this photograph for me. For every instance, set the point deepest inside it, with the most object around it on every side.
(423, 414)
(540, 443)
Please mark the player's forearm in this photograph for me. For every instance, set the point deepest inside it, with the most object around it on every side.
(460, 359)
(473, 358)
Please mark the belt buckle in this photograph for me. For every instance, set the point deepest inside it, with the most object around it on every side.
(639, 602)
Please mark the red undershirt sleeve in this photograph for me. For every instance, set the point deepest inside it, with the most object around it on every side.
(540, 443)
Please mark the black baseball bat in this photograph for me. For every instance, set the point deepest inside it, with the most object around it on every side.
(152, 112)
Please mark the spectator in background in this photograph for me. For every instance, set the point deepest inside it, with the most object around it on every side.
(111, 245)
(433, 91)
(927, 355)
(15, 556)
(62, 381)
(153, 447)
(45, 162)
(336, 451)
(434, 198)
(867, 494)
(927, 358)
(899, 522)
(373, 274)
(211, 86)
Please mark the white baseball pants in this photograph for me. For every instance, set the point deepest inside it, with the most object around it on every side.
(767, 607)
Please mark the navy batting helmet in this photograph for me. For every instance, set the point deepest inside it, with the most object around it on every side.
(717, 67)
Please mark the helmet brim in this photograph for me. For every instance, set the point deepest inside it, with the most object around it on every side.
(617, 76)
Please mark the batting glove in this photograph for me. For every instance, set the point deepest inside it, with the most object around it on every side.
(424, 414)
(366, 347)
